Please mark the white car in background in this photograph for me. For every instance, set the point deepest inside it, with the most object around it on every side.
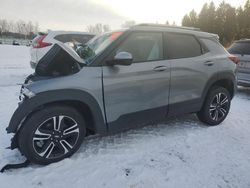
(43, 42)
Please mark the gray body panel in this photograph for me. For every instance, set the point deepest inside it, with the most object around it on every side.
(243, 74)
(194, 73)
(89, 79)
(241, 49)
(134, 88)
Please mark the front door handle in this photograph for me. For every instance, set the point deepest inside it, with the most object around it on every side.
(160, 68)
(209, 63)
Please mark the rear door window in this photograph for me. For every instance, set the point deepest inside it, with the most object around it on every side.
(182, 46)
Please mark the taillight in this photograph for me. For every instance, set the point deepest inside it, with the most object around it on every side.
(39, 43)
(234, 59)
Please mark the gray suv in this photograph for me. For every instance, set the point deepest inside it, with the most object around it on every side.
(117, 81)
(241, 49)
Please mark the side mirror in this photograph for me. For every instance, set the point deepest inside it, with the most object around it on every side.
(122, 58)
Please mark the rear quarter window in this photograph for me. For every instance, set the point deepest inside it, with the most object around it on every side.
(213, 45)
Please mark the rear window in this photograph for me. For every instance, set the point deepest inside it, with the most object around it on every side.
(240, 48)
(80, 38)
(182, 46)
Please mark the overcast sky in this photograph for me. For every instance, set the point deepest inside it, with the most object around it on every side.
(77, 14)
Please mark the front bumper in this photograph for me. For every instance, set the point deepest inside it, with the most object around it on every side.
(21, 112)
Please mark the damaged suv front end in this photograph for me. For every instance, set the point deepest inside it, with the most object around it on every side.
(57, 77)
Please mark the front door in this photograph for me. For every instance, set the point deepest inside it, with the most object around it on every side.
(137, 93)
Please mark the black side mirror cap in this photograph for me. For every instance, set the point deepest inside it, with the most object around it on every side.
(122, 58)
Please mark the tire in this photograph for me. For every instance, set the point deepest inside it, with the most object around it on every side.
(216, 106)
(51, 134)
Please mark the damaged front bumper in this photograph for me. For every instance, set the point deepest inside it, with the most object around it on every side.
(21, 112)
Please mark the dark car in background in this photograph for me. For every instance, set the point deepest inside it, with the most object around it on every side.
(15, 43)
(241, 48)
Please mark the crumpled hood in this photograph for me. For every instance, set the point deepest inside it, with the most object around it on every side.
(60, 60)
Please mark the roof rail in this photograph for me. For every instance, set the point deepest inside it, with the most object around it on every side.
(245, 39)
(167, 26)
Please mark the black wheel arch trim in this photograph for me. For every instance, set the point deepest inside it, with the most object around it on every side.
(29, 105)
(223, 75)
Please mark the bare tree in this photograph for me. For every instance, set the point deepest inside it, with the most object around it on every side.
(11, 26)
(91, 29)
(106, 28)
(36, 27)
(128, 24)
(18, 29)
(98, 28)
(3, 26)
(29, 29)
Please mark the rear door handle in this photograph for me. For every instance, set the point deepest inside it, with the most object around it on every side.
(209, 63)
(160, 68)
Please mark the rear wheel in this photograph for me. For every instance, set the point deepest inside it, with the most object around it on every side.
(51, 134)
(216, 106)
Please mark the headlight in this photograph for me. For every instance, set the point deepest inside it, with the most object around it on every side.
(26, 92)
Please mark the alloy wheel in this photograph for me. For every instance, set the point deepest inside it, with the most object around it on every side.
(219, 106)
(55, 137)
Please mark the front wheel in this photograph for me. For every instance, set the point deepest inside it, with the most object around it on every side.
(216, 106)
(51, 134)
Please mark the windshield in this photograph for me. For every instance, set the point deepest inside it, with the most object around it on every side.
(96, 45)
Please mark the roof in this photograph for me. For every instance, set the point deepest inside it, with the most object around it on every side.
(167, 26)
(177, 29)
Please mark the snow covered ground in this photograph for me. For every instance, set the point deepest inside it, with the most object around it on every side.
(180, 152)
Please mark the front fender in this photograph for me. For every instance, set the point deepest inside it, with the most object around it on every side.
(30, 105)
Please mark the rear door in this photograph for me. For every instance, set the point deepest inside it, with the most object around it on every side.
(191, 68)
(138, 93)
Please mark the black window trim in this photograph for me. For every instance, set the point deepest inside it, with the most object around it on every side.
(203, 51)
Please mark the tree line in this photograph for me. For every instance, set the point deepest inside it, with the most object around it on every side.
(230, 23)
(18, 29)
(98, 28)
(102, 28)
